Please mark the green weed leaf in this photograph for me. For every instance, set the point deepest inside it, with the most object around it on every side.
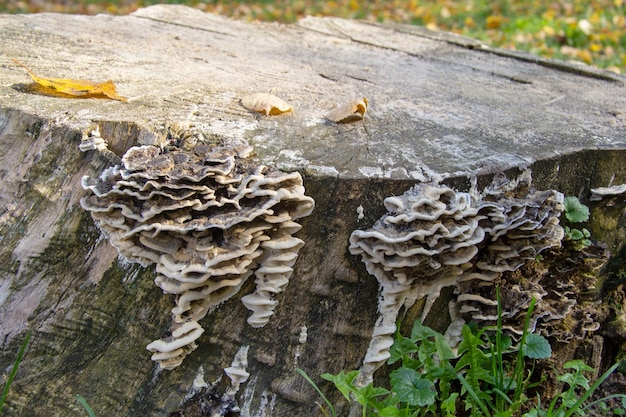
(369, 393)
(443, 348)
(505, 343)
(574, 380)
(448, 405)
(411, 388)
(472, 358)
(401, 348)
(575, 211)
(389, 412)
(537, 347)
(575, 234)
(569, 399)
(343, 382)
(577, 365)
(420, 332)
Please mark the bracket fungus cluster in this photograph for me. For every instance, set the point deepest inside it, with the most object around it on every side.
(599, 193)
(434, 237)
(209, 220)
(565, 284)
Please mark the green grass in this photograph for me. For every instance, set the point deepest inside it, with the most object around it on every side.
(486, 377)
(16, 365)
(590, 31)
(86, 406)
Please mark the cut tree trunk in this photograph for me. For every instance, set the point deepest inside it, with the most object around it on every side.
(441, 108)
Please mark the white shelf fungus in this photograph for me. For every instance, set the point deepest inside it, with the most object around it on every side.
(93, 141)
(237, 370)
(208, 220)
(602, 192)
(434, 237)
(564, 284)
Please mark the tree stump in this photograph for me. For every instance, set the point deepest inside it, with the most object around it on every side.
(440, 108)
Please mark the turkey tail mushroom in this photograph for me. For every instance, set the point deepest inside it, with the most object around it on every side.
(207, 220)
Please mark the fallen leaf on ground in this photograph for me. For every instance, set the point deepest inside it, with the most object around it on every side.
(60, 87)
(494, 22)
(265, 103)
(349, 112)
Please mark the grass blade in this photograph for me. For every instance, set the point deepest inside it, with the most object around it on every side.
(472, 394)
(314, 385)
(82, 402)
(590, 391)
(20, 356)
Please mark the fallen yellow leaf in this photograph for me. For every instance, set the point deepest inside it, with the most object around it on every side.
(349, 112)
(469, 22)
(61, 87)
(584, 56)
(494, 22)
(595, 47)
(265, 103)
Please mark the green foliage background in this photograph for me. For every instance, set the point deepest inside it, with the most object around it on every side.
(590, 31)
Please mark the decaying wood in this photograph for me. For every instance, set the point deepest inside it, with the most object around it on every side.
(440, 107)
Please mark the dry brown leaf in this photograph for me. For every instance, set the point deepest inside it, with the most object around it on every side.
(265, 103)
(60, 87)
(349, 112)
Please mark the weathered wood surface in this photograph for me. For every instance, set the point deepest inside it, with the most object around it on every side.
(461, 106)
(440, 106)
